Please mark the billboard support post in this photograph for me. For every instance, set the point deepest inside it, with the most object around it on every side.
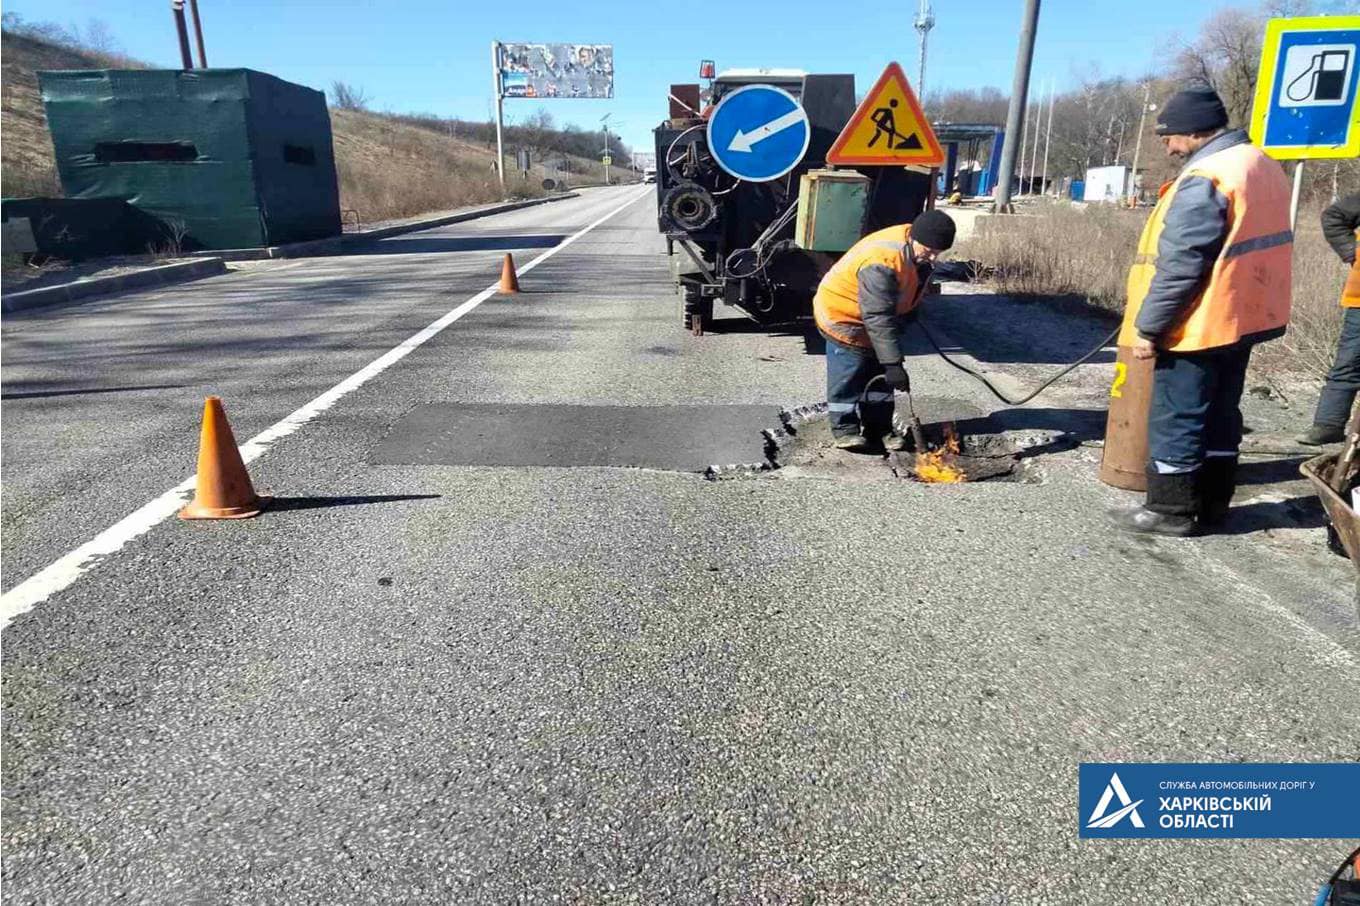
(500, 111)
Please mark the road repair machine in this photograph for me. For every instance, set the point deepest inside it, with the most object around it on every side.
(751, 212)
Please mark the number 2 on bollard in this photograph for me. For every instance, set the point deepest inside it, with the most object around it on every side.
(1121, 374)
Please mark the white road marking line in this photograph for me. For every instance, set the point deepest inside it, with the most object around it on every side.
(66, 570)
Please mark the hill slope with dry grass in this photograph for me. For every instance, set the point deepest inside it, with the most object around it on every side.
(389, 166)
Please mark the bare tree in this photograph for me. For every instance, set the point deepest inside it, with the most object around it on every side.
(98, 36)
(1224, 57)
(348, 97)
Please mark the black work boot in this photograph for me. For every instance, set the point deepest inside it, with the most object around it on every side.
(1217, 481)
(1171, 506)
(853, 443)
(1318, 435)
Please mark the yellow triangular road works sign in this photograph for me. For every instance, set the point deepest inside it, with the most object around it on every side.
(888, 128)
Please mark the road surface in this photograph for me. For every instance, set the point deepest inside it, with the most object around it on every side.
(499, 641)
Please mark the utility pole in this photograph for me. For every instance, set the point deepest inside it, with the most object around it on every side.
(925, 21)
(1138, 145)
(1024, 59)
(500, 111)
(605, 120)
(1034, 152)
(182, 29)
(198, 34)
(1048, 136)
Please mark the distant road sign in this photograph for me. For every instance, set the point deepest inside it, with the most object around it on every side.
(758, 133)
(1307, 102)
(888, 128)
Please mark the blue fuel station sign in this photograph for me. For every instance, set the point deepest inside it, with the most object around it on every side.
(1307, 101)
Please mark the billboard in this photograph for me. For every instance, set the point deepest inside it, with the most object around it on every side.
(556, 70)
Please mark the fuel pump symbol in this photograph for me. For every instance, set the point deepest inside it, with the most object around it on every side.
(1323, 80)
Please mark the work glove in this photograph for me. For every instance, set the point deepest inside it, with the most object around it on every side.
(897, 377)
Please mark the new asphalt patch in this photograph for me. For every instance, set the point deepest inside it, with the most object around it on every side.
(675, 438)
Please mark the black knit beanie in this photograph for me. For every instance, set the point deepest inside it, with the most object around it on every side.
(934, 229)
(1187, 112)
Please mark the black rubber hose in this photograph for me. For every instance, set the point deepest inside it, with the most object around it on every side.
(1040, 389)
(988, 384)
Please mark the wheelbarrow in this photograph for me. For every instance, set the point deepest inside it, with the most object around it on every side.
(1332, 476)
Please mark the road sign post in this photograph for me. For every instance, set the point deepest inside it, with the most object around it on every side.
(758, 133)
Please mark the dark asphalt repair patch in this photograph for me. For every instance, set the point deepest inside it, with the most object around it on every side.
(801, 446)
(673, 438)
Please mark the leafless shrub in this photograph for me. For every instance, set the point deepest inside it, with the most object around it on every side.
(348, 97)
(172, 245)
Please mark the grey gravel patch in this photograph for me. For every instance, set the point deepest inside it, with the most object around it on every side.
(674, 438)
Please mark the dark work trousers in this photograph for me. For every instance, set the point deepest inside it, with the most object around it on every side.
(1194, 412)
(848, 371)
(1343, 381)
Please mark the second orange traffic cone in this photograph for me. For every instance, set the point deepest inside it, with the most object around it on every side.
(224, 490)
(509, 282)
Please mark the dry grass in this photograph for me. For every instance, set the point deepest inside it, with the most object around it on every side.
(1063, 250)
(1055, 249)
(27, 167)
(389, 170)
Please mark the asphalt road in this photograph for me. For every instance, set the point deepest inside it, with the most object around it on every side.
(421, 680)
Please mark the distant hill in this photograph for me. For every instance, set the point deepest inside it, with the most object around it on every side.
(390, 165)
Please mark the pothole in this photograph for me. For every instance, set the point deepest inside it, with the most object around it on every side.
(802, 447)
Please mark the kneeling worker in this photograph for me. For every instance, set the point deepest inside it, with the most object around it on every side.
(1210, 280)
(860, 308)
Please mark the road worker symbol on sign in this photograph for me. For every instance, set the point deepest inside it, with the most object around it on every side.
(888, 128)
(886, 125)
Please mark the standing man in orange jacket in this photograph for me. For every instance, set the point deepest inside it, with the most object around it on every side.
(1341, 227)
(1211, 279)
(861, 307)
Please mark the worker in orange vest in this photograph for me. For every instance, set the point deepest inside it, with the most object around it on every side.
(1341, 227)
(1211, 279)
(861, 309)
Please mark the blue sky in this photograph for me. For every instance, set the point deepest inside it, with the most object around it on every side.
(426, 56)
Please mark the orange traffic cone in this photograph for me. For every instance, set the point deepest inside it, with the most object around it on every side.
(224, 490)
(509, 282)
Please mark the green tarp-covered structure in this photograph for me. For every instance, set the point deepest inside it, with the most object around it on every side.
(230, 158)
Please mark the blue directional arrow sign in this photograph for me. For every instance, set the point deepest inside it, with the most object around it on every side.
(758, 133)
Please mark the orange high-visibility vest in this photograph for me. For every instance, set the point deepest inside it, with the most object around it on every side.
(1248, 289)
(1350, 295)
(836, 305)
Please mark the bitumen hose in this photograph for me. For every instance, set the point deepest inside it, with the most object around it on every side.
(1040, 389)
(920, 322)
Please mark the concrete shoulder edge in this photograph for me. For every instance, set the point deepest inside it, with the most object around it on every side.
(80, 290)
(459, 217)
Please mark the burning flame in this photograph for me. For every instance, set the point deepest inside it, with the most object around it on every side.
(934, 466)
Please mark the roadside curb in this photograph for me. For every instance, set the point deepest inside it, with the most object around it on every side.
(80, 290)
(459, 217)
(213, 263)
(334, 244)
